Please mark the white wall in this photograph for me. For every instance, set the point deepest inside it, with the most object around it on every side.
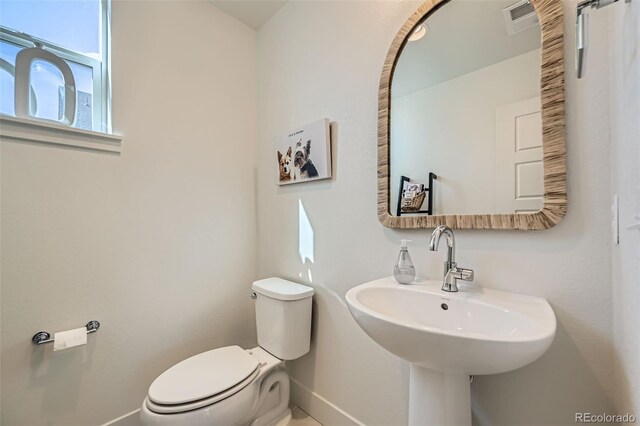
(159, 247)
(157, 243)
(624, 24)
(323, 59)
(455, 123)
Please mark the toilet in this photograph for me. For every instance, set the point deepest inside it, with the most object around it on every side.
(235, 386)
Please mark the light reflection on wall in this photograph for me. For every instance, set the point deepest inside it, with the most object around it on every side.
(305, 236)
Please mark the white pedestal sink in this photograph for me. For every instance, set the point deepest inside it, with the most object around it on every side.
(448, 336)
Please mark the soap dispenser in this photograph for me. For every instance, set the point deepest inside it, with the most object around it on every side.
(404, 272)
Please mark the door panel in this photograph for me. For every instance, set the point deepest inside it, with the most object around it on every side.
(519, 167)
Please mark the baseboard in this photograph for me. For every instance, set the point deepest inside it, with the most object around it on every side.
(319, 408)
(129, 419)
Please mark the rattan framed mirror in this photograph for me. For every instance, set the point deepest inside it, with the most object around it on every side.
(552, 168)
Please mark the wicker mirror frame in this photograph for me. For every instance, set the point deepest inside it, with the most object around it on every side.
(553, 132)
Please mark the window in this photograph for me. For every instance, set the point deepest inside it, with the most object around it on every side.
(54, 62)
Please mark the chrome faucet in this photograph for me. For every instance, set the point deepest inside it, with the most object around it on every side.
(451, 271)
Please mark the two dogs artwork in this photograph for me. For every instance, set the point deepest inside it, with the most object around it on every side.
(297, 165)
(296, 149)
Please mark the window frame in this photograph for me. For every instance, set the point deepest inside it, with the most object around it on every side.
(101, 73)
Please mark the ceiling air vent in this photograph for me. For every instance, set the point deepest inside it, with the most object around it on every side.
(520, 16)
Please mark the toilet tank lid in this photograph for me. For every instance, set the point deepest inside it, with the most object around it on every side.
(280, 289)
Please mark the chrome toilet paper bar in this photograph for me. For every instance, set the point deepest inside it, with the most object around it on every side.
(42, 337)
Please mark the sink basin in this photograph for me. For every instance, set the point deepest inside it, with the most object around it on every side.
(448, 336)
(473, 331)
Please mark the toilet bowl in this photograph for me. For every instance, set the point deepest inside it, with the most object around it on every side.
(234, 386)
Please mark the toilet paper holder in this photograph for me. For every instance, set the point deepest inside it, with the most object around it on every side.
(42, 337)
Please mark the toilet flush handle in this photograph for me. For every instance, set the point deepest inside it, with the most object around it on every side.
(253, 295)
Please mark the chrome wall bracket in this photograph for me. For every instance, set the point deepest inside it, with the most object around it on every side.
(582, 30)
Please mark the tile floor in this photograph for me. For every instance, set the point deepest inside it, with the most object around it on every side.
(300, 418)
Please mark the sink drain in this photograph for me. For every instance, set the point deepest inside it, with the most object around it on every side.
(444, 306)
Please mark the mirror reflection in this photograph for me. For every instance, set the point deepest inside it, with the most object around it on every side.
(466, 134)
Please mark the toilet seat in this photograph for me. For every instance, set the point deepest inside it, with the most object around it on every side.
(180, 408)
(202, 380)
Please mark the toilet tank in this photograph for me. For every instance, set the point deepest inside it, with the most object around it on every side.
(283, 317)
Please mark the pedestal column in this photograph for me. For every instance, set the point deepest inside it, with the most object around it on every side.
(438, 399)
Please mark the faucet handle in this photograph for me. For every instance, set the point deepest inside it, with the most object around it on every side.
(466, 274)
(456, 273)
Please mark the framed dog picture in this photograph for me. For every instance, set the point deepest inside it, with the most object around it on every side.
(305, 154)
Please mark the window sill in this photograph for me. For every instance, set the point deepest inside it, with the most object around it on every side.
(25, 130)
